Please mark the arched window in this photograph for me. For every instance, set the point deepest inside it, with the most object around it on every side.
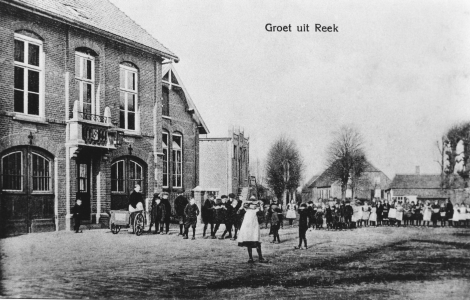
(177, 160)
(41, 168)
(28, 76)
(125, 174)
(128, 107)
(12, 171)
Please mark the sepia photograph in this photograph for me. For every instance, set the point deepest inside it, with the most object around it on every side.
(235, 149)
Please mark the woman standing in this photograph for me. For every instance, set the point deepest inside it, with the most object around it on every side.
(427, 213)
(249, 235)
(399, 214)
(291, 208)
(418, 215)
(373, 214)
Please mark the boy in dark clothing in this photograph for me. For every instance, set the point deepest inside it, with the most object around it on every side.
(167, 213)
(77, 211)
(191, 211)
(329, 217)
(275, 222)
(230, 215)
(237, 217)
(180, 204)
(311, 214)
(208, 214)
(303, 225)
(219, 215)
(153, 213)
(160, 213)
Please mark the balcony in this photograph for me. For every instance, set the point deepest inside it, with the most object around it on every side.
(89, 130)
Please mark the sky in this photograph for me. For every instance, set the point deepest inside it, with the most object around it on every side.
(398, 71)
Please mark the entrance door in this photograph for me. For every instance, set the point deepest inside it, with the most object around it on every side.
(83, 187)
(126, 172)
(27, 200)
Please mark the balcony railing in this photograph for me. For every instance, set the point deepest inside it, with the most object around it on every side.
(89, 117)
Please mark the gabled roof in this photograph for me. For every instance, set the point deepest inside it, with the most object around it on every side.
(311, 181)
(418, 181)
(189, 102)
(322, 181)
(99, 15)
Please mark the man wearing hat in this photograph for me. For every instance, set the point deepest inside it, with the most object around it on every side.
(180, 204)
(166, 217)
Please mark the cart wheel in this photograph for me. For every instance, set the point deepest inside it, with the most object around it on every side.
(114, 229)
(139, 224)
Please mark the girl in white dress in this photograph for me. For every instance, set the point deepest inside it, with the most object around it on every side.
(291, 208)
(249, 234)
(392, 213)
(399, 213)
(365, 213)
(427, 213)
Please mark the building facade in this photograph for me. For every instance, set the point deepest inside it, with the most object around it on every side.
(224, 163)
(81, 114)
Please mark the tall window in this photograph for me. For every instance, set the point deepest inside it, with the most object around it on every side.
(85, 76)
(28, 75)
(165, 159)
(117, 176)
(41, 173)
(177, 160)
(12, 171)
(166, 101)
(128, 98)
(135, 174)
(82, 177)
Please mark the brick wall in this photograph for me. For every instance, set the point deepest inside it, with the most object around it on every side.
(59, 44)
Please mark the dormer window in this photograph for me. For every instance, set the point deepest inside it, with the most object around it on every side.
(169, 82)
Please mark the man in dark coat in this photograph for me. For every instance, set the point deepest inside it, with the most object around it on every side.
(77, 211)
(449, 211)
(207, 214)
(348, 213)
(229, 217)
(180, 204)
(166, 217)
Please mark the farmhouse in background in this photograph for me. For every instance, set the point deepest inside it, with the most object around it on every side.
(372, 184)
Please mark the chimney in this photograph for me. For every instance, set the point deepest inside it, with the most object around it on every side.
(417, 170)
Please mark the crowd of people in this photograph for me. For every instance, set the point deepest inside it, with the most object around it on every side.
(356, 214)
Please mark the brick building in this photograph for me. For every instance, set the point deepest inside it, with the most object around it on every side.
(81, 114)
(224, 163)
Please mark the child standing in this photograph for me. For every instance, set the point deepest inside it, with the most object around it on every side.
(77, 215)
(191, 211)
(275, 222)
(303, 225)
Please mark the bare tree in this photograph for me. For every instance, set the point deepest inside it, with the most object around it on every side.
(459, 133)
(346, 160)
(284, 166)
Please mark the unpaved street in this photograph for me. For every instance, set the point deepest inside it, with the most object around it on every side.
(367, 263)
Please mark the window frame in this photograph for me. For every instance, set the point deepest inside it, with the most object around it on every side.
(127, 92)
(50, 161)
(22, 175)
(79, 179)
(83, 80)
(26, 66)
(174, 163)
(117, 179)
(167, 158)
